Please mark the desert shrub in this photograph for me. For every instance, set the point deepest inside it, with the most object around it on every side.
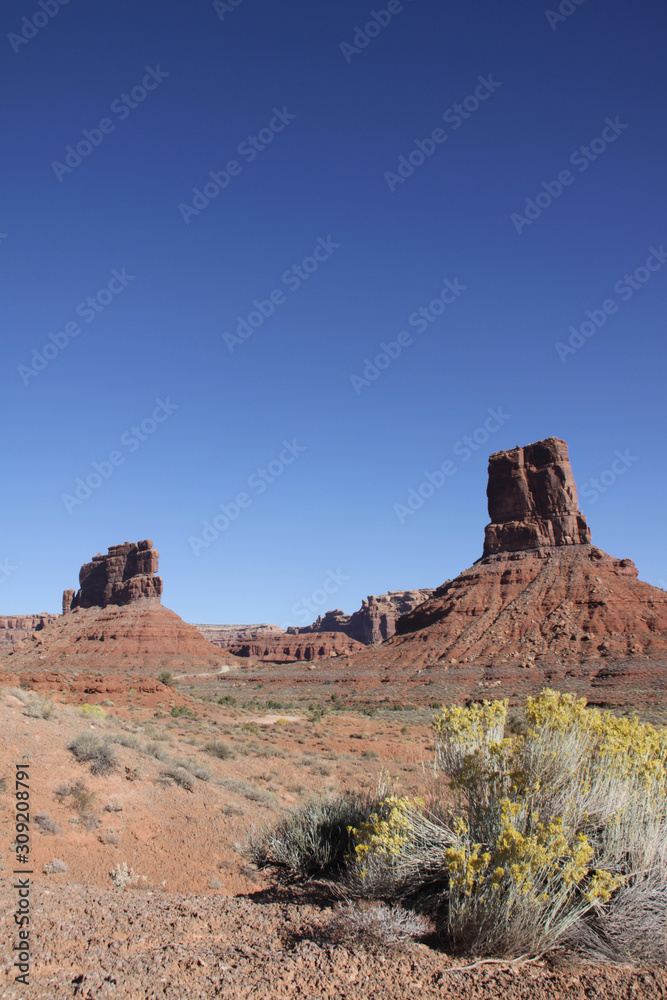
(45, 823)
(37, 707)
(122, 876)
(181, 777)
(220, 749)
(183, 712)
(555, 836)
(251, 792)
(227, 699)
(90, 749)
(52, 867)
(376, 926)
(110, 837)
(91, 711)
(167, 678)
(314, 840)
(231, 810)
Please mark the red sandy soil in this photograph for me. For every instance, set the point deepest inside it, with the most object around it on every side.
(199, 921)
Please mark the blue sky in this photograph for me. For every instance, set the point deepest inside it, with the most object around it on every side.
(230, 322)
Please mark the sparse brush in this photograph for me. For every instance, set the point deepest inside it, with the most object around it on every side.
(220, 749)
(45, 824)
(181, 777)
(312, 841)
(90, 749)
(183, 712)
(375, 926)
(244, 788)
(122, 876)
(91, 711)
(55, 866)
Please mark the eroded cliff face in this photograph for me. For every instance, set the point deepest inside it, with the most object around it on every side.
(533, 499)
(375, 620)
(125, 574)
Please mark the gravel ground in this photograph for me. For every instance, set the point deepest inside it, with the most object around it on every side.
(93, 944)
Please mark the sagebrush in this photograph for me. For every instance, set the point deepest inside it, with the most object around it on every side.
(555, 835)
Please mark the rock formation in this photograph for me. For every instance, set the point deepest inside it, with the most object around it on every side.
(375, 620)
(225, 636)
(125, 574)
(533, 499)
(542, 602)
(284, 648)
(15, 628)
(115, 621)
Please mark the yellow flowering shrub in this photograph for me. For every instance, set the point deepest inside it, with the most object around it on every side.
(384, 835)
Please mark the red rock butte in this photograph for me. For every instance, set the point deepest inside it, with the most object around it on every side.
(542, 604)
(124, 574)
(113, 622)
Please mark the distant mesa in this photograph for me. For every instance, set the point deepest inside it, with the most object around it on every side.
(375, 620)
(125, 574)
(331, 634)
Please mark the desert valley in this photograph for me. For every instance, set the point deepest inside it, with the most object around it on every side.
(158, 749)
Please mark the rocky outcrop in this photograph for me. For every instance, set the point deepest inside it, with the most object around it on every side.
(533, 499)
(375, 620)
(15, 628)
(142, 635)
(115, 621)
(541, 596)
(225, 636)
(125, 574)
(285, 648)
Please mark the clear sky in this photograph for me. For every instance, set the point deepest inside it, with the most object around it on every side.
(218, 217)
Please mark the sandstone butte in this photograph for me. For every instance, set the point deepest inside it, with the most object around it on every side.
(541, 604)
(114, 621)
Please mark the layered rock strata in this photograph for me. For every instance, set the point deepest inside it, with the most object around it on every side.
(375, 620)
(15, 628)
(284, 648)
(532, 499)
(541, 594)
(125, 574)
(225, 636)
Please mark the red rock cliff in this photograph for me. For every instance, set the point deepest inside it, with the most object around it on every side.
(125, 574)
